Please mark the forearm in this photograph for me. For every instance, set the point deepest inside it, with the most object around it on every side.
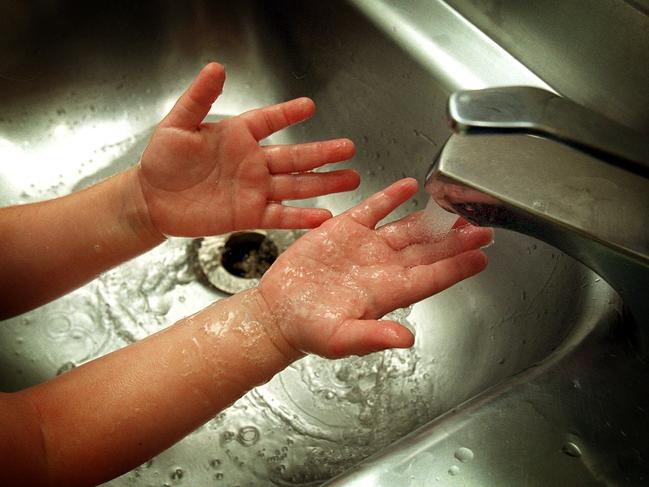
(52, 247)
(112, 414)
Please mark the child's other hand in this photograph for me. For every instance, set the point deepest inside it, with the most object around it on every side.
(327, 292)
(210, 178)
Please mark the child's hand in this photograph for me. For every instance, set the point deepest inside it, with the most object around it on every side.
(326, 293)
(210, 178)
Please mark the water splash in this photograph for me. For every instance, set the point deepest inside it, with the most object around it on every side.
(336, 413)
(137, 297)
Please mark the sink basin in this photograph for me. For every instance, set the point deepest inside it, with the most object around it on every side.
(82, 88)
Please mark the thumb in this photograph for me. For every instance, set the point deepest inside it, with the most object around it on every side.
(194, 104)
(360, 337)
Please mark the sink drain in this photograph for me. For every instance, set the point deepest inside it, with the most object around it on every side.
(236, 261)
(248, 254)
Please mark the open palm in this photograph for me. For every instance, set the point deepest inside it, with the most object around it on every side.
(329, 289)
(209, 178)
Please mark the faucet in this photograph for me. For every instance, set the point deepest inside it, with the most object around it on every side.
(527, 160)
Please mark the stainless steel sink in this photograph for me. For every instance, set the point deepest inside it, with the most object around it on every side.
(82, 88)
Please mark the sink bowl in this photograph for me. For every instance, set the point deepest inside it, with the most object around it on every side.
(82, 88)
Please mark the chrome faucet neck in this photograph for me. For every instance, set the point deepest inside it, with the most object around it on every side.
(512, 166)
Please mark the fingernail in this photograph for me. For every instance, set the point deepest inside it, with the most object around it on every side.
(491, 240)
(488, 244)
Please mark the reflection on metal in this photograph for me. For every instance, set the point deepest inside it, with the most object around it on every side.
(578, 47)
(444, 43)
(523, 109)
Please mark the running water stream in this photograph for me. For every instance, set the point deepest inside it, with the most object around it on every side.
(440, 221)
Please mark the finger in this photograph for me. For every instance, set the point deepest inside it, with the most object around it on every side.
(263, 122)
(460, 222)
(456, 242)
(426, 280)
(360, 337)
(381, 204)
(282, 159)
(306, 185)
(410, 229)
(194, 104)
(280, 216)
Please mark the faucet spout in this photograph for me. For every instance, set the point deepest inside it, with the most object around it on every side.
(553, 183)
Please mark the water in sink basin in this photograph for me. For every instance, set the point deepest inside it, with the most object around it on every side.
(318, 417)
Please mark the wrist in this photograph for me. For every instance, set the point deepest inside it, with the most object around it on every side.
(136, 218)
(245, 321)
(261, 309)
(235, 347)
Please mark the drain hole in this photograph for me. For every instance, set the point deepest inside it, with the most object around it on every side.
(248, 254)
(234, 262)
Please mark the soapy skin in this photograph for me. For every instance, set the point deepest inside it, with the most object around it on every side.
(326, 294)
